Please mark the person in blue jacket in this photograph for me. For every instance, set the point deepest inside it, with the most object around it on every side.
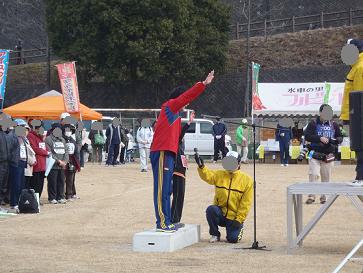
(284, 136)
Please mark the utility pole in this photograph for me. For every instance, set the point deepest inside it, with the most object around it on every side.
(48, 65)
(248, 96)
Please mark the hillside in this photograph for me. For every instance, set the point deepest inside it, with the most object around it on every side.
(319, 47)
(25, 19)
(277, 9)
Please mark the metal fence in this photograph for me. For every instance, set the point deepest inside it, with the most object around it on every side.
(35, 55)
(298, 23)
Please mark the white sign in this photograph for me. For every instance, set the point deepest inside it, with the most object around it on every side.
(298, 98)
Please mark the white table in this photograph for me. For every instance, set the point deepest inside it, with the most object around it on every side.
(295, 194)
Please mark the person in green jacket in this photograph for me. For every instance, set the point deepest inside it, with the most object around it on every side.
(242, 140)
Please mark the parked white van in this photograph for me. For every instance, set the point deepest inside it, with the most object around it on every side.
(199, 135)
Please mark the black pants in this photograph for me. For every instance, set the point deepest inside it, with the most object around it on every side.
(70, 184)
(113, 151)
(219, 145)
(4, 176)
(37, 182)
(122, 154)
(284, 151)
(56, 184)
(178, 198)
(359, 167)
(97, 153)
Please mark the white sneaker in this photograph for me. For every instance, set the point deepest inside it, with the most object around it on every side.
(53, 202)
(214, 239)
(356, 183)
(62, 201)
(286, 165)
(282, 165)
(14, 209)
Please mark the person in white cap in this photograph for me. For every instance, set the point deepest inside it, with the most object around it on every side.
(63, 116)
(232, 200)
(242, 138)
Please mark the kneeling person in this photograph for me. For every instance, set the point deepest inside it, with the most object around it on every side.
(232, 200)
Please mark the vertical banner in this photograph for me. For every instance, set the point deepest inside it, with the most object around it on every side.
(69, 85)
(4, 64)
(327, 92)
(256, 102)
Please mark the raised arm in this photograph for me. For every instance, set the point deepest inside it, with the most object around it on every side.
(177, 104)
(207, 175)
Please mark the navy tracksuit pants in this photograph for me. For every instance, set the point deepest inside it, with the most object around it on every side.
(17, 182)
(284, 151)
(216, 218)
(113, 151)
(163, 167)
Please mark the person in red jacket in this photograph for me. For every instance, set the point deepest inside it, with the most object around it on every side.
(36, 140)
(165, 147)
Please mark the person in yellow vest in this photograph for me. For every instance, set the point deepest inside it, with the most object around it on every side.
(232, 200)
(354, 82)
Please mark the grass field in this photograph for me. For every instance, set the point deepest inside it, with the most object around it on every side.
(94, 234)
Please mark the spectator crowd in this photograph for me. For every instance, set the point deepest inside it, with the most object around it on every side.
(29, 155)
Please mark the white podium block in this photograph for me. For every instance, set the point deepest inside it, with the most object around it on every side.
(156, 241)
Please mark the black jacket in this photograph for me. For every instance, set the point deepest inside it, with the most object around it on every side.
(312, 136)
(13, 148)
(178, 162)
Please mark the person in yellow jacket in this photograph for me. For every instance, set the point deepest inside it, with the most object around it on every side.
(354, 82)
(232, 200)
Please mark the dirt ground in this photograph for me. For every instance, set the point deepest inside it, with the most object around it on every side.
(94, 234)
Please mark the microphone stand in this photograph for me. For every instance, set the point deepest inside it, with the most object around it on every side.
(255, 244)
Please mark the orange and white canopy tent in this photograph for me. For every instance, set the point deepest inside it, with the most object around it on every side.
(48, 106)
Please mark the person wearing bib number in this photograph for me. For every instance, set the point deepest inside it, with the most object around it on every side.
(324, 136)
(73, 164)
(57, 145)
(36, 140)
(180, 169)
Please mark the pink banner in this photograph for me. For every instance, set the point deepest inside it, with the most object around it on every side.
(69, 85)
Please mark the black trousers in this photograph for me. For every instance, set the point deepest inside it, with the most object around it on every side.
(178, 198)
(97, 153)
(359, 167)
(56, 184)
(122, 154)
(70, 184)
(4, 177)
(220, 146)
(113, 151)
(37, 182)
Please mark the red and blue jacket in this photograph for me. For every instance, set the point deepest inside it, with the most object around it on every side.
(168, 125)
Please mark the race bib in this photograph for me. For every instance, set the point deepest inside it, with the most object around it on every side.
(22, 151)
(184, 161)
(70, 148)
(42, 145)
(59, 148)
